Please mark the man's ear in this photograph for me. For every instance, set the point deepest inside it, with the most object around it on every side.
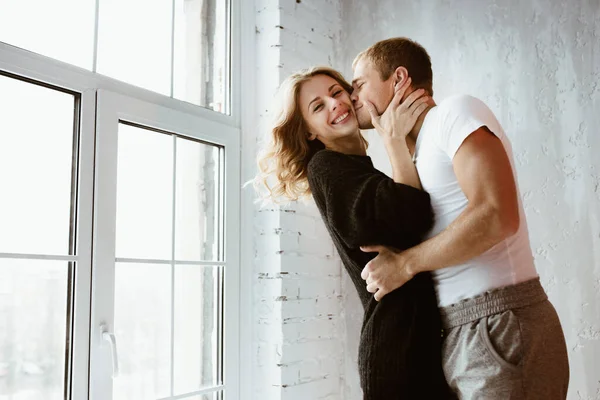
(400, 75)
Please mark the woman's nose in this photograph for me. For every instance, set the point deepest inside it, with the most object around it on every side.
(334, 103)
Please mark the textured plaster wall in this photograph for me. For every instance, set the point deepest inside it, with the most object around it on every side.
(537, 65)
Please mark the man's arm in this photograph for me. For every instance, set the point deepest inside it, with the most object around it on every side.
(485, 175)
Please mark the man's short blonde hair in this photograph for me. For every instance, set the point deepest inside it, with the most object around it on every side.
(389, 54)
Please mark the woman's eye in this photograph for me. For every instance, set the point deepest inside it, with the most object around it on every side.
(337, 93)
(317, 108)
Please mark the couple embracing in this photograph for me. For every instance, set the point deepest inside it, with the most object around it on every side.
(439, 253)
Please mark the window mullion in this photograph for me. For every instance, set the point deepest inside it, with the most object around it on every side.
(103, 289)
(173, 48)
(83, 269)
(173, 227)
(96, 25)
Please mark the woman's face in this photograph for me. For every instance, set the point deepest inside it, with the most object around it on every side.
(327, 110)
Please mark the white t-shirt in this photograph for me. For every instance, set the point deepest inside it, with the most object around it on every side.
(444, 129)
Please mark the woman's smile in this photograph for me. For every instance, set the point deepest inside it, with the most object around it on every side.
(341, 118)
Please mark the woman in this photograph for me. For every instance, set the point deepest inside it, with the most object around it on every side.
(316, 148)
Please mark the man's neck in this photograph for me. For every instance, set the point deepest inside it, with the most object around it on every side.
(414, 133)
(411, 138)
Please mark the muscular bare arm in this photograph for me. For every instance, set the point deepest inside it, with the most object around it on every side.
(485, 175)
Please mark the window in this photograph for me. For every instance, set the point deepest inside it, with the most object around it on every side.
(60, 29)
(179, 48)
(119, 220)
(38, 231)
(160, 231)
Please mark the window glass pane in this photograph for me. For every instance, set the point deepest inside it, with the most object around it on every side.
(61, 29)
(134, 42)
(143, 310)
(143, 331)
(33, 321)
(36, 158)
(197, 201)
(144, 194)
(201, 70)
(197, 328)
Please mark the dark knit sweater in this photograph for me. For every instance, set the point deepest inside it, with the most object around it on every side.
(400, 344)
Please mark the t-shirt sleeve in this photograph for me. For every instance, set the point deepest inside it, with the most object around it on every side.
(461, 116)
(364, 206)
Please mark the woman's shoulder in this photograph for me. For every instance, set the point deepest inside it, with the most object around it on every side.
(320, 161)
(329, 159)
(329, 168)
(324, 155)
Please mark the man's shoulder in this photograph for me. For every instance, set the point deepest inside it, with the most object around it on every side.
(455, 118)
(461, 112)
(460, 102)
(450, 109)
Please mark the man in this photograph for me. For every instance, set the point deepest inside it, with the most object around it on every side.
(503, 338)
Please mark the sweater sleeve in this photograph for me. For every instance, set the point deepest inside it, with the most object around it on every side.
(364, 206)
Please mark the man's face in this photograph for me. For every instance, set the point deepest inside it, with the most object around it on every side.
(368, 86)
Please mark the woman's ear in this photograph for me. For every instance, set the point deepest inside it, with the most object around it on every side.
(311, 136)
(400, 75)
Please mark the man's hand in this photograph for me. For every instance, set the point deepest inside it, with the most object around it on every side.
(386, 272)
(400, 116)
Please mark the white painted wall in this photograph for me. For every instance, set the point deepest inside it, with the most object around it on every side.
(296, 315)
(537, 65)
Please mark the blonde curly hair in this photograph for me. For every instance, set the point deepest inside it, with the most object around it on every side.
(283, 162)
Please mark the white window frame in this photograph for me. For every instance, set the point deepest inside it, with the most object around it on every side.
(30, 66)
(112, 109)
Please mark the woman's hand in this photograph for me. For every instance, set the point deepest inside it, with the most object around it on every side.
(394, 125)
(400, 116)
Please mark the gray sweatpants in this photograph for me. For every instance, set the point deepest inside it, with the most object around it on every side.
(505, 344)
